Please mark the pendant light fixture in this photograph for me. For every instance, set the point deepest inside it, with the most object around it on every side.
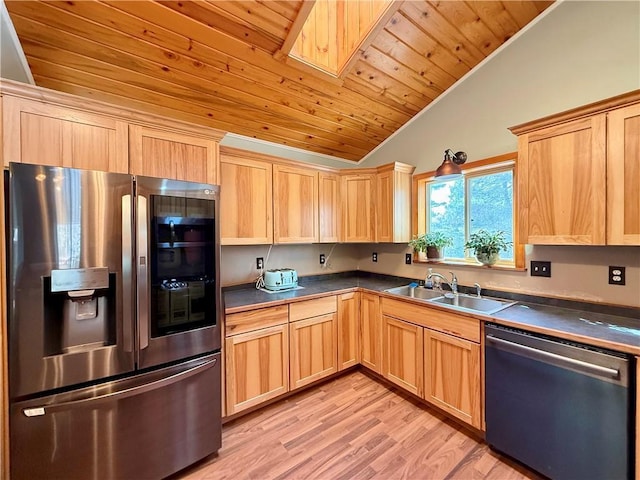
(450, 168)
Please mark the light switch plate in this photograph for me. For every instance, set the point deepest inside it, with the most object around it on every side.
(323, 259)
(540, 269)
(408, 258)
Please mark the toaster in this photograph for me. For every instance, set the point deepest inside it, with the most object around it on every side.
(280, 279)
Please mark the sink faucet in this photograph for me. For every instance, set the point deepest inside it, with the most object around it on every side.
(453, 285)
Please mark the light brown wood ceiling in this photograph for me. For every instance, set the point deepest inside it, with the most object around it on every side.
(217, 63)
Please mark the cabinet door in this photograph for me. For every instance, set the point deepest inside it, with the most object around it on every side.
(257, 367)
(313, 349)
(562, 183)
(348, 334)
(623, 176)
(178, 156)
(295, 205)
(246, 201)
(371, 332)
(402, 361)
(393, 207)
(43, 134)
(452, 376)
(329, 207)
(358, 212)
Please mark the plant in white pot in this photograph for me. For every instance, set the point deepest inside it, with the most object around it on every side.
(487, 245)
(419, 246)
(436, 241)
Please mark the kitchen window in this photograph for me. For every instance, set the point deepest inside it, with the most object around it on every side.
(483, 198)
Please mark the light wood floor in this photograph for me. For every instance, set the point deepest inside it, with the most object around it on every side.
(352, 427)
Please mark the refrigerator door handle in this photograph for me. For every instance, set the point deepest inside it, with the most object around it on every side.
(119, 395)
(143, 284)
(127, 274)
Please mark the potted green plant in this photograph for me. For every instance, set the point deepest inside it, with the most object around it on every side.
(487, 245)
(419, 246)
(435, 242)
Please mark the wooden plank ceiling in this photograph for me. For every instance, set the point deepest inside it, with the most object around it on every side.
(218, 63)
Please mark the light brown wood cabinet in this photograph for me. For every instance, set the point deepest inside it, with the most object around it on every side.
(295, 205)
(358, 207)
(329, 207)
(348, 330)
(402, 354)
(256, 357)
(393, 203)
(46, 134)
(371, 332)
(246, 199)
(170, 154)
(578, 175)
(313, 349)
(452, 376)
(623, 176)
(451, 355)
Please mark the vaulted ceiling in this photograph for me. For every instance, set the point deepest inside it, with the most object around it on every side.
(224, 63)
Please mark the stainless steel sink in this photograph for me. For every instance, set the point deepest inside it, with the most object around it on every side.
(462, 302)
(474, 304)
(415, 292)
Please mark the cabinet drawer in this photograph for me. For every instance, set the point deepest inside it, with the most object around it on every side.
(451, 323)
(313, 308)
(236, 323)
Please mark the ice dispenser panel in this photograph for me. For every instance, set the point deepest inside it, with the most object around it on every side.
(79, 310)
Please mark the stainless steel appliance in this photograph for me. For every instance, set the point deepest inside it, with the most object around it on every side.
(114, 335)
(562, 408)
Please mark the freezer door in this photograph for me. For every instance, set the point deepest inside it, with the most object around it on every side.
(177, 259)
(147, 426)
(70, 277)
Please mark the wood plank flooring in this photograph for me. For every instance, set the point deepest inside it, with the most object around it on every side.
(352, 427)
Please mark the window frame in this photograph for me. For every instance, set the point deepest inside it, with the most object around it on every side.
(500, 163)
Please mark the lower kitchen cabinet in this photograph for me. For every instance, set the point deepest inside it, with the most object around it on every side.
(257, 367)
(402, 354)
(452, 376)
(370, 332)
(313, 349)
(348, 334)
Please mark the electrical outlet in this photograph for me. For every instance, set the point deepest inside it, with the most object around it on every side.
(408, 258)
(323, 259)
(616, 275)
(374, 257)
(540, 269)
(259, 263)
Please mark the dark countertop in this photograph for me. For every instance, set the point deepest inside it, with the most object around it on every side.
(237, 299)
(606, 326)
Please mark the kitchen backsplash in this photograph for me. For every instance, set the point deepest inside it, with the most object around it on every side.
(239, 262)
(577, 272)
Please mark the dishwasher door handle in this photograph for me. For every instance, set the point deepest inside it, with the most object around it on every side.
(554, 358)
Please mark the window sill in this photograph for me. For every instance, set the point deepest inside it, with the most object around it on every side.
(454, 263)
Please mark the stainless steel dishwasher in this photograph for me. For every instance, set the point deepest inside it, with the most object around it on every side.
(562, 408)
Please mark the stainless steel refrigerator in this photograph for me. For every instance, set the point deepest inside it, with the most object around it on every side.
(114, 335)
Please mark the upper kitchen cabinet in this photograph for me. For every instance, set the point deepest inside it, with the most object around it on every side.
(393, 203)
(329, 207)
(623, 176)
(171, 154)
(578, 175)
(358, 207)
(48, 134)
(295, 204)
(46, 127)
(245, 198)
